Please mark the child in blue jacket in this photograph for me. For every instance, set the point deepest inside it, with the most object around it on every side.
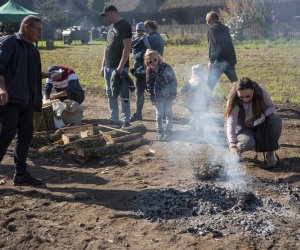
(162, 89)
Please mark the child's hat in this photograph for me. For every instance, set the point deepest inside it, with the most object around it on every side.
(197, 69)
(140, 26)
(198, 74)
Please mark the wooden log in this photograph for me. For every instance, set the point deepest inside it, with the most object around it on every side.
(100, 151)
(90, 142)
(44, 120)
(139, 128)
(91, 131)
(134, 142)
(74, 129)
(67, 138)
(55, 149)
(44, 138)
(120, 139)
(114, 129)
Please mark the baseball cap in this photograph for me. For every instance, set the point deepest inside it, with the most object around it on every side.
(140, 26)
(108, 8)
(53, 68)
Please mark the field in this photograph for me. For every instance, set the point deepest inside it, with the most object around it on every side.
(155, 196)
(275, 65)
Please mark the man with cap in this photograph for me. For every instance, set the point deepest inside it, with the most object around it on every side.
(20, 94)
(140, 44)
(116, 57)
(66, 83)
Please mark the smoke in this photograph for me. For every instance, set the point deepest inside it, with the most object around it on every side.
(236, 174)
(206, 126)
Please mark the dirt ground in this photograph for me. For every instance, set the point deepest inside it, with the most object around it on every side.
(102, 204)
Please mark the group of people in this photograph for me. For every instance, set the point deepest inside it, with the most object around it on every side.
(120, 43)
(249, 115)
(247, 102)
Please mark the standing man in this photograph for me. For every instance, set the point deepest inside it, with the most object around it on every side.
(222, 58)
(116, 57)
(20, 94)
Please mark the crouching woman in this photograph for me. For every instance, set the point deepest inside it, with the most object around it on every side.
(248, 104)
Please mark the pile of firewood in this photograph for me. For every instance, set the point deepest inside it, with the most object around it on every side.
(88, 141)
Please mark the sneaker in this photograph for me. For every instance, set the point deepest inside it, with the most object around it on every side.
(126, 124)
(27, 179)
(136, 117)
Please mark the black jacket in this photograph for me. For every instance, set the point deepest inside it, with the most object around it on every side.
(13, 66)
(220, 44)
(121, 84)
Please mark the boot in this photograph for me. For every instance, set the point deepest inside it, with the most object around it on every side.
(26, 179)
(271, 159)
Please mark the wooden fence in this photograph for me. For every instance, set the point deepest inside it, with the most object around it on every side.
(289, 30)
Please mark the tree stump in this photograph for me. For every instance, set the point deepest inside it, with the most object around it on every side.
(44, 121)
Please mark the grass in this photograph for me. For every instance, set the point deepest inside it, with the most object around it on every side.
(273, 64)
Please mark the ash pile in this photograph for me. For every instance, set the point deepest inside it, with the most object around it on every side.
(212, 205)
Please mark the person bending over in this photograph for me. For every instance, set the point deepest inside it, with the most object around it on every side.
(249, 104)
(66, 84)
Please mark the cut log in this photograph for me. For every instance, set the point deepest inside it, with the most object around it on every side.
(103, 127)
(74, 129)
(44, 120)
(120, 139)
(139, 128)
(55, 149)
(44, 138)
(89, 132)
(67, 138)
(134, 142)
(100, 151)
(90, 142)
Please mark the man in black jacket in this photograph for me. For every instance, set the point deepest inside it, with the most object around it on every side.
(222, 56)
(20, 94)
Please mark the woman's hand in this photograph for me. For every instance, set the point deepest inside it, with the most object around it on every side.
(234, 151)
(263, 117)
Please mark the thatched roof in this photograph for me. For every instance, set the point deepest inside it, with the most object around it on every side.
(137, 6)
(281, 1)
(175, 5)
(178, 5)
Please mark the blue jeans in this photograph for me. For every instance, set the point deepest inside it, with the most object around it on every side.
(215, 73)
(246, 138)
(113, 101)
(164, 107)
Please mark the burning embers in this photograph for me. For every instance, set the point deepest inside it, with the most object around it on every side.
(209, 171)
(213, 206)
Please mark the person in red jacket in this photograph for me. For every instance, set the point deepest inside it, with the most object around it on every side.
(66, 83)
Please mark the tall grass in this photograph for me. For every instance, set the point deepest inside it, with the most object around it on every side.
(273, 64)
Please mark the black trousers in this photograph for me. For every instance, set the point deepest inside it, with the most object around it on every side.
(16, 119)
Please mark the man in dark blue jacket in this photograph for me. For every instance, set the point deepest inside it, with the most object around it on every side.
(20, 94)
(222, 58)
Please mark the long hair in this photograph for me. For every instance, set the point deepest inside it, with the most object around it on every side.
(150, 54)
(232, 98)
